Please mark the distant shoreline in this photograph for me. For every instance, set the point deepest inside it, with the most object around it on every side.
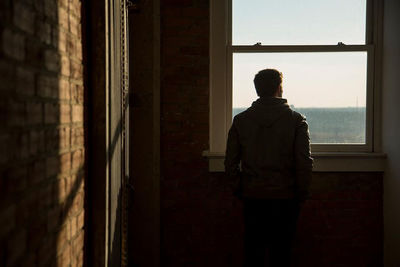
(332, 125)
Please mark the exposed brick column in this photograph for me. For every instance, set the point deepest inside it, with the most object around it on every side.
(41, 134)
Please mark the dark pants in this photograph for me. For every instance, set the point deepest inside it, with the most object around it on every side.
(270, 226)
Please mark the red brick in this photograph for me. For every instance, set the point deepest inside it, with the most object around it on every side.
(77, 159)
(76, 70)
(27, 205)
(7, 220)
(36, 142)
(79, 259)
(196, 12)
(74, 228)
(65, 162)
(62, 40)
(51, 113)
(77, 93)
(15, 113)
(52, 166)
(77, 136)
(45, 196)
(178, 3)
(54, 219)
(64, 137)
(63, 18)
(64, 258)
(29, 259)
(77, 204)
(37, 172)
(55, 39)
(41, 45)
(47, 86)
(65, 113)
(77, 113)
(16, 246)
(52, 60)
(8, 83)
(81, 220)
(52, 139)
(74, 183)
(50, 9)
(65, 66)
(38, 229)
(77, 243)
(60, 190)
(64, 89)
(25, 82)
(74, 48)
(5, 144)
(34, 113)
(63, 236)
(38, 7)
(74, 25)
(13, 44)
(46, 252)
(34, 54)
(44, 31)
(24, 17)
(64, 4)
(75, 8)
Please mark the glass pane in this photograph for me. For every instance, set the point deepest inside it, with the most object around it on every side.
(328, 88)
(294, 22)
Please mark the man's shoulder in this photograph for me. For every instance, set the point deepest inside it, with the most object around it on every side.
(243, 115)
(298, 116)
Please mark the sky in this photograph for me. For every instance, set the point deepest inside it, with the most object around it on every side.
(309, 79)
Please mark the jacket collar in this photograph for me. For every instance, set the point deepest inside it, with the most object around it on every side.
(270, 101)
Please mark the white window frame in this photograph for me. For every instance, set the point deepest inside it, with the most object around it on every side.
(221, 54)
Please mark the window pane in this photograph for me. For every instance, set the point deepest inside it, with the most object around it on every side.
(328, 88)
(294, 22)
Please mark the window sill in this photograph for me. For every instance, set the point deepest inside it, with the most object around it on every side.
(323, 162)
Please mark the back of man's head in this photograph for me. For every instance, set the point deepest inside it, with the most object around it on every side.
(267, 82)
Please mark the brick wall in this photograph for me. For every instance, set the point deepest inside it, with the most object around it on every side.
(201, 223)
(41, 133)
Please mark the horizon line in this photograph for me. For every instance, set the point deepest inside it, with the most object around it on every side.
(291, 106)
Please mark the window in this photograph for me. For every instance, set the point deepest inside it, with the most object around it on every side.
(326, 51)
(329, 88)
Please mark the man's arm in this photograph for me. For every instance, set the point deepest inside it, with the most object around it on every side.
(232, 154)
(303, 160)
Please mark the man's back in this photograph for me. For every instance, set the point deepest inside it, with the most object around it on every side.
(271, 142)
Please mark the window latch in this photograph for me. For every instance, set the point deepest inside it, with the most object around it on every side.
(341, 44)
(257, 44)
(132, 5)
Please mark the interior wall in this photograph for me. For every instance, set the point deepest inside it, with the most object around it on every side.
(144, 83)
(201, 222)
(42, 146)
(391, 130)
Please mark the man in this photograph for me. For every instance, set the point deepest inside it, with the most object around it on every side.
(270, 142)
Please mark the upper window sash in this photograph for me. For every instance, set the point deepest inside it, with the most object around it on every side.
(295, 37)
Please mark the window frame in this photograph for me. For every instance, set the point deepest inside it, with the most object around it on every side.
(221, 55)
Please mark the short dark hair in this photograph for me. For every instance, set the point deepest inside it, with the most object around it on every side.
(267, 82)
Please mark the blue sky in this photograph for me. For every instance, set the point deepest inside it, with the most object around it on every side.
(310, 79)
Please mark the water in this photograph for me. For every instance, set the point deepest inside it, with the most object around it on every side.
(333, 125)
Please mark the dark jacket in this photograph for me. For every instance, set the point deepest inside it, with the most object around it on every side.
(271, 142)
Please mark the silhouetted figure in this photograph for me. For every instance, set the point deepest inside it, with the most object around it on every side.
(268, 152)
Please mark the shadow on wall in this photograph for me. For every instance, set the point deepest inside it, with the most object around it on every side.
(42, 134)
